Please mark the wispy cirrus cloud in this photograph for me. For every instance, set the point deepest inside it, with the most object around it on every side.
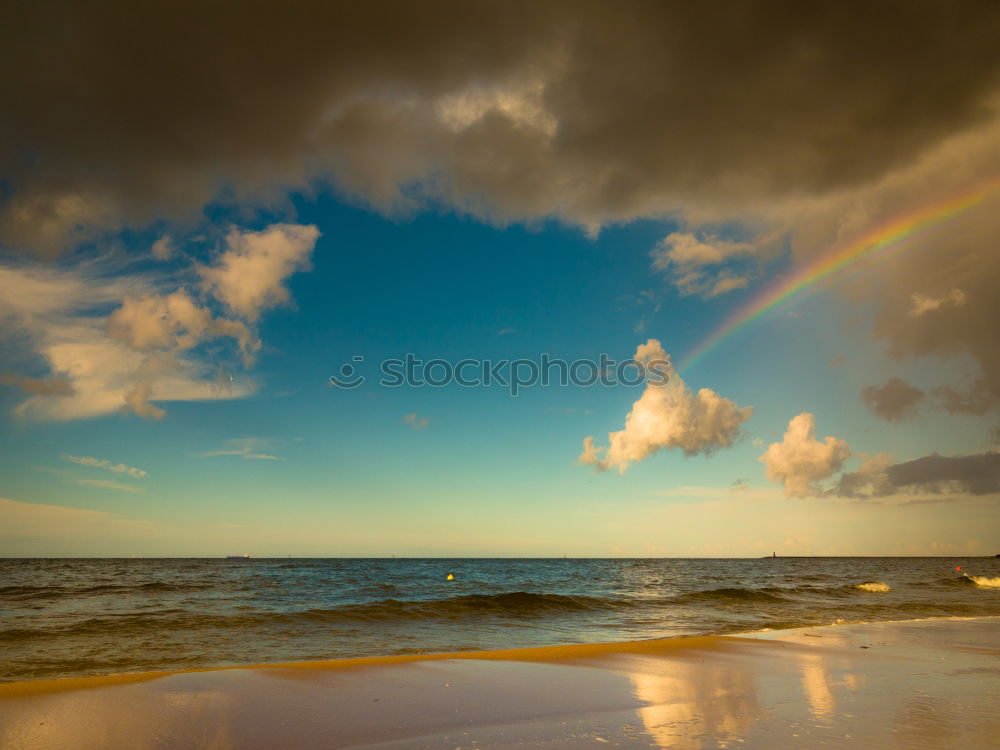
(110, 484)
(100, 463)
(247, 448)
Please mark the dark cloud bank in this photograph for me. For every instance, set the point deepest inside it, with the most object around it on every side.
(124, 112)
(975, 475)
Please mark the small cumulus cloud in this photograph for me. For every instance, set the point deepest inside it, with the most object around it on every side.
(163, 248)
(726, 283)
(695, 265)
(250, 275)
(667, 416)
(800, 461)
(894, 401)
(416, 422)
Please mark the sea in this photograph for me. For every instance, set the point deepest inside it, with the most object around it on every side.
(76, 617)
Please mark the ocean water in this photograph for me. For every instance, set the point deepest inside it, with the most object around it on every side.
(77, 617)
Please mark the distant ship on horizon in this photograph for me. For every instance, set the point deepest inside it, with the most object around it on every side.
(237, 557)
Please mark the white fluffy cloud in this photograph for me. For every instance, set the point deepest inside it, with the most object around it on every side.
(800, 461)
(696, 265)
(667, 416)
(113, 341)
(174, 322)
(250, 275)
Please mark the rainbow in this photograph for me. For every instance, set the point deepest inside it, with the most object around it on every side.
(878, 244)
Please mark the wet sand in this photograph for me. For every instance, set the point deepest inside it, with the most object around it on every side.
(917, 684)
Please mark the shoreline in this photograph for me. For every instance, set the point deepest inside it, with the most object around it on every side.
(536, 654)
(927, 682)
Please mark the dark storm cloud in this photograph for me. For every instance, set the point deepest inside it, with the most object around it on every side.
(975, 475)
(973, 401)
(894, 401)
(592, 112)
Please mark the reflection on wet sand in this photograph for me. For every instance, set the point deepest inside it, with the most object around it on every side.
(692, 703)
(926, 684)
(816, 682)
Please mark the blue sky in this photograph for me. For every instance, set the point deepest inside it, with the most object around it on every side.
(487, 474)
(194, 239)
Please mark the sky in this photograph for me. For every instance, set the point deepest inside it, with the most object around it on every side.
(217, 225)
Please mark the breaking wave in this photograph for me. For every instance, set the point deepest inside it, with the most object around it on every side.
(873, 586)
(993, 583)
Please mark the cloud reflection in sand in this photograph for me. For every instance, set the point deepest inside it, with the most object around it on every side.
(690, 703)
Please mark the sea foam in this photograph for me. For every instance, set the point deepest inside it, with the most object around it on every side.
(874, 586)
(993, 583)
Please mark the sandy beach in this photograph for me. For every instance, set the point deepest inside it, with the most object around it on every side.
(914, 684)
